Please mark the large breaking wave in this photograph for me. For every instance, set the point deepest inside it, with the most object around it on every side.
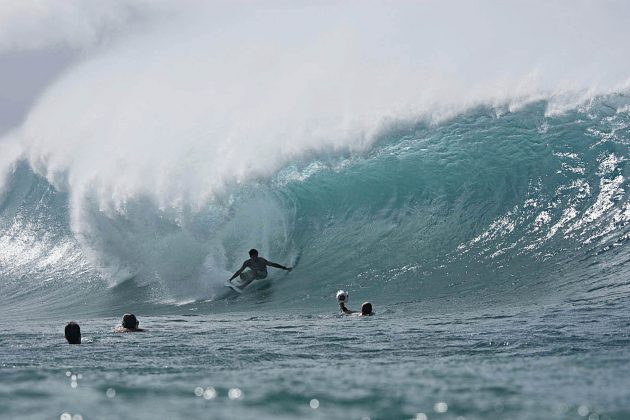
(402, 152)
(491, 205)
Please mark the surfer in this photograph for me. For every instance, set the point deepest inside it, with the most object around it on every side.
(257, 269)
(73, 333)
(129, 324)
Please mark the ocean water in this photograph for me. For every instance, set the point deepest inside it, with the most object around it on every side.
(501, 363)
(493, 245)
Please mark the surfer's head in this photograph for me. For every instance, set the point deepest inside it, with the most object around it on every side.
(253, 253)
(130, 321)
(366, 308)
(73, 333)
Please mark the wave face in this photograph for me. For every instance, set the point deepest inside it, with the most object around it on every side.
(493, 205)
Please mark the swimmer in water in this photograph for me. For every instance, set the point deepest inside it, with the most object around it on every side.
(257, 269)
(129, 324)
(73, 333)
(342, 299)
(366, 309)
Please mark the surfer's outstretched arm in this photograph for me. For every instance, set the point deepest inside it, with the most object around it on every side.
(273, 264)
(240, 270)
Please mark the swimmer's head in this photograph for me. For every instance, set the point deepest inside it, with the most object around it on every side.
(73, 333)
(130, 321)
(253, 253)
(366, 308)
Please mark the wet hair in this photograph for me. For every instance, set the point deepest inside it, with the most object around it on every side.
(253, 252)
(73, 333)
(130, 321)
(366, 308)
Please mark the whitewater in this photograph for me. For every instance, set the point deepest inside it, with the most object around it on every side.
(462, 167)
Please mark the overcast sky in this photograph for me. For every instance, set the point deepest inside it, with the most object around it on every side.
(23, 76)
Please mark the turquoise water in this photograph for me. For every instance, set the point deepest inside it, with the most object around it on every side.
(475, 364)
(493, 246)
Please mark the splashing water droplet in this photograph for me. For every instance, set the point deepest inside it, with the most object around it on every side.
(583, 410)
(235, 393)
(210, 393)
(440, 407)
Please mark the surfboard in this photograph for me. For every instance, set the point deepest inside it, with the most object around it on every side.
(241, 282)
(233, 287)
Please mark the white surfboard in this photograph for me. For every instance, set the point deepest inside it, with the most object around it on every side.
(241, 282)
(233, 287)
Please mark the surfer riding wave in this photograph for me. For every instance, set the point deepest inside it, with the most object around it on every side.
(257, 269)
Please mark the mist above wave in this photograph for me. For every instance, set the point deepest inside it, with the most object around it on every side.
(180, 108)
